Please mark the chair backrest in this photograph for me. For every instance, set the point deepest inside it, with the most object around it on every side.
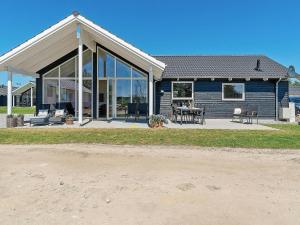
(59, 113)
(131, 108)
(143, 109)
(43, 112)
(237, 111)
(70, 109)
(253, 110)
(174, 108)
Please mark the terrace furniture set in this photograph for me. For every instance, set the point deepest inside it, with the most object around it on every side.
(248, 113)
(193, 114)
(51, 115)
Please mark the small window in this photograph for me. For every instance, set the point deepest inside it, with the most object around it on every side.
(182, 90)
(233, 92)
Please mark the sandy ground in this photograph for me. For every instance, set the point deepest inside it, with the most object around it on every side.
(102, 184)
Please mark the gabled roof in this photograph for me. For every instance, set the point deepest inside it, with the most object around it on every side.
(60, 39)
(23, 88)
(221, 66)
(3, 90)
(294, 90)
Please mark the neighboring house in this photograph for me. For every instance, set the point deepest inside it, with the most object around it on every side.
(294, 91)
(113, 73)
(21, 96)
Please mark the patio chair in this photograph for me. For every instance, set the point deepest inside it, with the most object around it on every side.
(131, 110)
(252, 112)
(199, 114)
(174, 112)
(41, 119)
(142, 110)
(58, 118)
(69, 108)
(240, 114)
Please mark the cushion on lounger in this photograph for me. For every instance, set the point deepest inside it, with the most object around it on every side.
(43, 112)
(59, 113)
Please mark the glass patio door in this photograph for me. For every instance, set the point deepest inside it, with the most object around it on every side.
(111, 99)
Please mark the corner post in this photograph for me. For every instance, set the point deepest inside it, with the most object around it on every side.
(31, 96)
(9, 93)
(150, 91)
(80, 80)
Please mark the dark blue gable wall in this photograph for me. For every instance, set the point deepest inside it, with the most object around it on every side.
(209, 93)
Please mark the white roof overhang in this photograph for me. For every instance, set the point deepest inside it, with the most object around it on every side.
(60, 39)
(23, 88)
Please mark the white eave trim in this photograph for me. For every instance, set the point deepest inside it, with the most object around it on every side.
(23, 88)
(80, 19)
(121, 42)
(60, 25)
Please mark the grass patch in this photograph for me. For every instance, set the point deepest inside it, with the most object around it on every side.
(19, 110)
(287, 137)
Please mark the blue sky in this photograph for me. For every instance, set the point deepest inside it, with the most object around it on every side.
(268, 27)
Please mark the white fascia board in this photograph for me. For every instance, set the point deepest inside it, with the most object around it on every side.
(23, 88)
(121, 42)
(60, 25)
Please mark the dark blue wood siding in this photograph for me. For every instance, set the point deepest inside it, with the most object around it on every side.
(209, 93)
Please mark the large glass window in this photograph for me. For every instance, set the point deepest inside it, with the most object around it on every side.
(126, 84)
(137, 74)
(61, 84)
(123, 70)
(233, 91)
(110, 65)
(123, 96)
(182, 90)
(68, 91)
(139, 91)
(51, 91)
(52, 74)
(87, 97)
(87, 66)
(67, 70)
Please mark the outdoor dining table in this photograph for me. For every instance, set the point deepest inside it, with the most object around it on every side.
(187, 109)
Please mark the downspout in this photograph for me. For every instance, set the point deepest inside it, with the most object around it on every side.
(276, 104)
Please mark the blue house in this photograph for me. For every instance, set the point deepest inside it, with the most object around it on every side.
(78, 63)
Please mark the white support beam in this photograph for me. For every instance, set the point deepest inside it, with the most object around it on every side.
(9, 93)
(13, 100)
(150, 91)
(31, 96)
(80, 80)
(88, 41)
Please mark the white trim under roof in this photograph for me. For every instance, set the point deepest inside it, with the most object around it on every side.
(60, 39)
(23, 88)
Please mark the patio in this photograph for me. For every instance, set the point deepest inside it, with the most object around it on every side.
(222, 124)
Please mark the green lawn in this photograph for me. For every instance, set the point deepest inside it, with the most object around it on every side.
(19, 110)
(287, 137)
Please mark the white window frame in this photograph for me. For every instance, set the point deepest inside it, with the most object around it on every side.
(233, 99)
(183, 98)
(59, 78)
(115, 79)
